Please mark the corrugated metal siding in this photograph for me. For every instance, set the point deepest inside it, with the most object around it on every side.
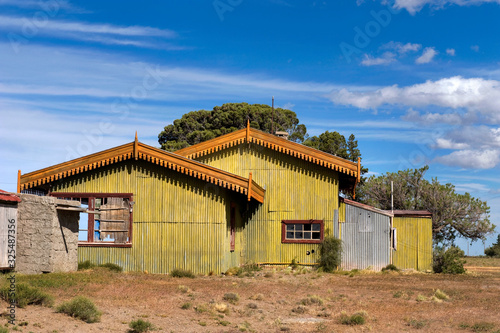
(8, 214)
(295, 190)
(179, 221)
(365, 239)
(414, 243)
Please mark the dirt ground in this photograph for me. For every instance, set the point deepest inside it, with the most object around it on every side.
(273, 300)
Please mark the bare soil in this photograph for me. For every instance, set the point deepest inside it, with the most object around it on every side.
(272, 300)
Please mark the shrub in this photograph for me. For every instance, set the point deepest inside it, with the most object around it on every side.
(82, 308)
(85, 265)
(358, 318)
(330, 251)
(390, 267)
(140, 326)
(186, 306)
(246, 270)
(179, 273)
(26, 295)
(440, 295)
(231, 297)
(112, 267)
(449, 261)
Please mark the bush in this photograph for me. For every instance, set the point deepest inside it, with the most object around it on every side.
(246, 270)
(179, 273)
(390, 267)
(112, 267)
(231, 297)
(140, 326)
(449, 261)
(330, 254)
(85, 265)
(26, 295)
(82, 308)
(359, 318)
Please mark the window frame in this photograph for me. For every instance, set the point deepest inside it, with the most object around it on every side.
(90, 223)
(285, 240)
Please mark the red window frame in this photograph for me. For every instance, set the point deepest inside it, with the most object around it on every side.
(91, 197)
(284, 223)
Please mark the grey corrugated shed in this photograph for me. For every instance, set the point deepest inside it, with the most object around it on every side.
(365, 237)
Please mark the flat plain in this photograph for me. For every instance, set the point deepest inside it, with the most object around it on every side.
(273, 300)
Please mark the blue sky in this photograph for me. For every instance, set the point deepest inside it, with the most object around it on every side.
(417, 81)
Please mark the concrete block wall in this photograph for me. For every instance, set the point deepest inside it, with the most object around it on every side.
(47, 235)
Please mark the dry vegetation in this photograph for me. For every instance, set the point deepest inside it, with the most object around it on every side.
(271, 300)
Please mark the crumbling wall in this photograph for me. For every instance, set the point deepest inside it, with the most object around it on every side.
(47, 235)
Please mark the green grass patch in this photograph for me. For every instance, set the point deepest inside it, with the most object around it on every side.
(26, 295)
(81, 308)
(85, 265)
(358, 318)
(180, 273)
(140, 326)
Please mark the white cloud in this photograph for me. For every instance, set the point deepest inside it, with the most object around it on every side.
(474, 94)
(385, 59)
(414, 6)
(472, 159)
(140, 36)
(402, 48)
(433, 118)
(442, 143)
(475, 48)
(450, 52)
(427, 56)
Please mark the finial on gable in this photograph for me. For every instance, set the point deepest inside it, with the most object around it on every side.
(136, 147)
(248, 130)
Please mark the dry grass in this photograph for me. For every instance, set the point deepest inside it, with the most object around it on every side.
(267, 304)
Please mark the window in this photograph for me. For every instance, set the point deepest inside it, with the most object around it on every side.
(302, 231)
(107, 221)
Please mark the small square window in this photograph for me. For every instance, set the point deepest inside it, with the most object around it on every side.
(302, 231)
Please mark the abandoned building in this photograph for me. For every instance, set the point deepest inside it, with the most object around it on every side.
(247, 196)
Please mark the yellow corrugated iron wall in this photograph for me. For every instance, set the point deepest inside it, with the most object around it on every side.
(179, 221)
(414, 243)
(295, 190)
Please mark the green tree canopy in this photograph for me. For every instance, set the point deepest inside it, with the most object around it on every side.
(198, 126)
(453, 215)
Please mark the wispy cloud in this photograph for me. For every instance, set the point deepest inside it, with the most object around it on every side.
(414, 6)
(397, 51)
(56, 27)
(138, 36)
(450, 52)
(385, 59)
(402, 48)
(427, 56)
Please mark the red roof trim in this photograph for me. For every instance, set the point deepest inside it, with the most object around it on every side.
(9, 197)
